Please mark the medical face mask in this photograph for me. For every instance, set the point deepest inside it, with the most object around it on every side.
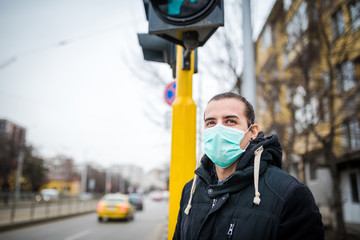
(222, 144)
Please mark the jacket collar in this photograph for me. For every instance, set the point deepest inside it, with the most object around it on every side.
(243, 176)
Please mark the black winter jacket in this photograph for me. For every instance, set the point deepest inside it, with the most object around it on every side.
(287, 209)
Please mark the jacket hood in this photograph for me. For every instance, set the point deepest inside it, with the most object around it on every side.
(272, 151)
(243, 176)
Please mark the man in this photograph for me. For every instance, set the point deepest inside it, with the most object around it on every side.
(239, 190)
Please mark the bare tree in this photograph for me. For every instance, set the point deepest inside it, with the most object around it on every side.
(317, 107)
(224, 51)
(155, 76)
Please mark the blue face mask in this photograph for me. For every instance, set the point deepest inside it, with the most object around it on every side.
(222, 144)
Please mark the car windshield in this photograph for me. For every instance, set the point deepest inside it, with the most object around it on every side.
(113, 199)
(134, 195)
(49, 191)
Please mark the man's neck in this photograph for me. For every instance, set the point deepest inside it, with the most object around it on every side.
(223, 173)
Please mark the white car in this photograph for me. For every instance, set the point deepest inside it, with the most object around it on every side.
(48, 195)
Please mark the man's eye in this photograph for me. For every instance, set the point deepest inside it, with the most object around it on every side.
(230, 121)
(209, 123)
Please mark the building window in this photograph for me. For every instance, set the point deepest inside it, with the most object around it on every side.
(326, 79)
(354, 188)
(337, 24)
(285, 59)
(288, 96)
(353, 134)
(311, 111)
(277, 106)
(312, 170)
(297, 25)
(267, 37)
(323, 108)
(299, 103)
(323, 101)
(263, 106)
(354, 7)
(346, 76)
(287, 4)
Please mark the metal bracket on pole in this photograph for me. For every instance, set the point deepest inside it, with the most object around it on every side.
(186, 63)
(191, 42)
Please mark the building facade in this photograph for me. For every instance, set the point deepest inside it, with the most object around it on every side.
(61, 175)
(14, 132)
(308, 73)
(12, 142)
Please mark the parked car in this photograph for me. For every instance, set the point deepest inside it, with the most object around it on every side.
(115, 206)
(137, 200)
(85, 196)
(47, 195)
(157, 195)
(166, 195)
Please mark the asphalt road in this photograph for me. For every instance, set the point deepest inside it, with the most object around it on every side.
(149, 224)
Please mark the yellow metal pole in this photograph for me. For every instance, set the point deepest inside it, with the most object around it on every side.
(183, 145)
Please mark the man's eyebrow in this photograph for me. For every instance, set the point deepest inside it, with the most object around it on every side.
(208, 119)
(226, 117)
(231, 116)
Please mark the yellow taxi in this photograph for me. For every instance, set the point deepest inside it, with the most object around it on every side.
(115, 206)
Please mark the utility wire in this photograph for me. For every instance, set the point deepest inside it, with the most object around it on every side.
(62, 43)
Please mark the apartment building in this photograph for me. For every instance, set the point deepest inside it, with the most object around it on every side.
(308, 73)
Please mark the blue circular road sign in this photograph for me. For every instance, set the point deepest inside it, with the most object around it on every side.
(170, 93)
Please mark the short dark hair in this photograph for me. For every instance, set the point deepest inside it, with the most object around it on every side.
(249, 110)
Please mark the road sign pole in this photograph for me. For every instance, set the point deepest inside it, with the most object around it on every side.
(183, 145)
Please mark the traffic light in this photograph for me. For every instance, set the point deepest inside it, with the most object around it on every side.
(158, 49)
(189, 23)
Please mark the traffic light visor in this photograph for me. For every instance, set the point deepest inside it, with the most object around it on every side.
(179, 12)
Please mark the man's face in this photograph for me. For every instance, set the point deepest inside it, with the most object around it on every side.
(229, 112)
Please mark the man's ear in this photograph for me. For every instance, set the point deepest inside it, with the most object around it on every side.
(254, 131)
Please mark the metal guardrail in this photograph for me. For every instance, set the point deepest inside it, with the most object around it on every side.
(26, 209)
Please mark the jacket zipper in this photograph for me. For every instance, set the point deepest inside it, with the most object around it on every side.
(230, 231)
(214, 202)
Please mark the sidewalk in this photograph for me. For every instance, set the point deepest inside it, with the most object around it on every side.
(160, 233)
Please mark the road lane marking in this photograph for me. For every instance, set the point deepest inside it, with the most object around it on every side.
(78, 235)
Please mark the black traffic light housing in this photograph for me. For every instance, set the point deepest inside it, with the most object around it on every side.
(158, 49)
(189, 23)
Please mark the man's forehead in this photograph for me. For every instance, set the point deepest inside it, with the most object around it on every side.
(225, 107)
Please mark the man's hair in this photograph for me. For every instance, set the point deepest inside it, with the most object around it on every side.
(249, 110)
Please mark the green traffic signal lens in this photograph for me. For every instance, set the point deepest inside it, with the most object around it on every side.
(180, 12)
(174, 6)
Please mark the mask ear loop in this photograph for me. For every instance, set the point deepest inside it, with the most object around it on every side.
(249, 128)
(251, 138)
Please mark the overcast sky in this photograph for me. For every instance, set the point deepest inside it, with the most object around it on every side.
(64, 77)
